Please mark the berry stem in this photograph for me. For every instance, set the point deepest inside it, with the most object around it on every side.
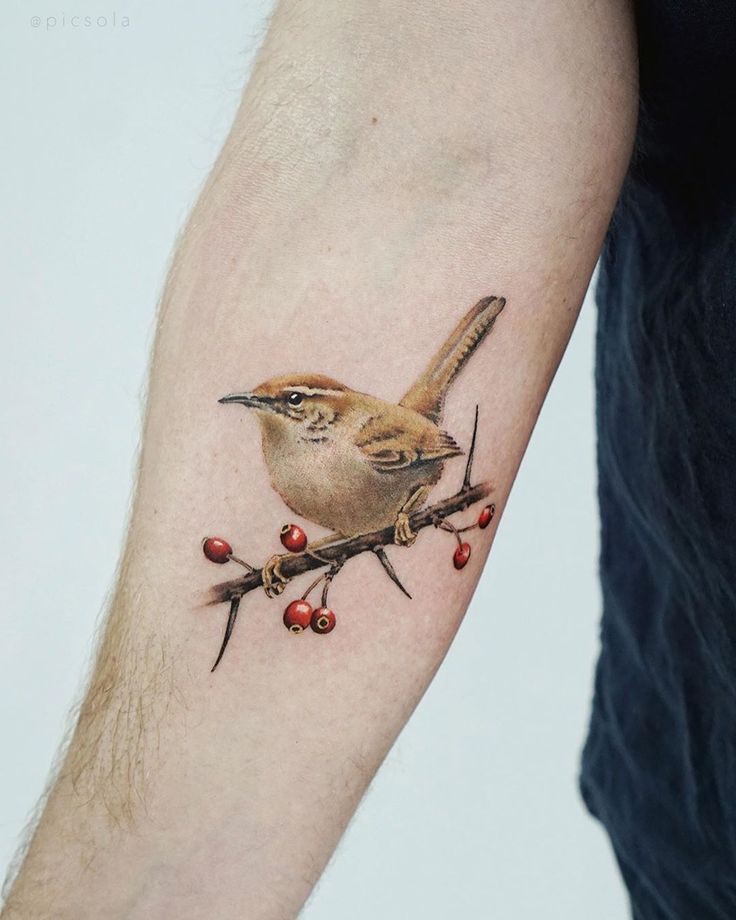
(246, 565)
(314, 585)
(450, 528)
(467, 528)
(329, 576)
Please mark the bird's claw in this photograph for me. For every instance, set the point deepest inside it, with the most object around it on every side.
(274, 581)
(403, 534)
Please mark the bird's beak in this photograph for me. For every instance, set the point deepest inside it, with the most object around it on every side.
(245, 399)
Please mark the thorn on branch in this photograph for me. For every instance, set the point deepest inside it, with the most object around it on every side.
(232, 617)
(390, 571)
(471, 453)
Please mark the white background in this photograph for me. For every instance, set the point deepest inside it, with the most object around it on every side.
(108, 133)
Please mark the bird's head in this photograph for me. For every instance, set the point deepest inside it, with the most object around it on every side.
(311, 401)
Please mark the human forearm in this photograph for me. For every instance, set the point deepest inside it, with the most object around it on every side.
(386, 170)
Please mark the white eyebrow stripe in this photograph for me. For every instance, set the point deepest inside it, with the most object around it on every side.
(313, 391)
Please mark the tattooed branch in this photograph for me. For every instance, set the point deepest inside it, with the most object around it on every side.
(339, 552)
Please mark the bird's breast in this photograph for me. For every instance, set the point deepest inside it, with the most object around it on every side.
(331, 482)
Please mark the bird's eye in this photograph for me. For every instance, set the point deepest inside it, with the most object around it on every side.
(295, 399)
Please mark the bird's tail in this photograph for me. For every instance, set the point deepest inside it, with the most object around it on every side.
(427, 395)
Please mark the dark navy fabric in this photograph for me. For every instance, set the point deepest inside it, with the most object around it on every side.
(659, 766)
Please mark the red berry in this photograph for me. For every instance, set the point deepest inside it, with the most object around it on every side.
(293, 538)
(462, 554)
(486, 516)
(297, 616)
(323, 620)
(217, 550)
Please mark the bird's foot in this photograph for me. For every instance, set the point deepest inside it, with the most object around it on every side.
(403, 534)
(274, 581)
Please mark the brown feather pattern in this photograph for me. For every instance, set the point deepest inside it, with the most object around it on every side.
(407, 439)
(427, 395)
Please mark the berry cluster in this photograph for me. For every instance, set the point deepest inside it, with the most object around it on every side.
(462, 552)
(300, 614)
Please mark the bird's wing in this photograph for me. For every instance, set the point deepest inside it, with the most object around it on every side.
(398, 444)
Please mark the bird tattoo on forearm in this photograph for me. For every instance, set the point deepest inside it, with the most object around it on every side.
(357, 465)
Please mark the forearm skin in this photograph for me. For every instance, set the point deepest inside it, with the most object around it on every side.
(390, 164)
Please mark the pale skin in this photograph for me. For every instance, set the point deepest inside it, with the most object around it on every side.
(390, 164)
